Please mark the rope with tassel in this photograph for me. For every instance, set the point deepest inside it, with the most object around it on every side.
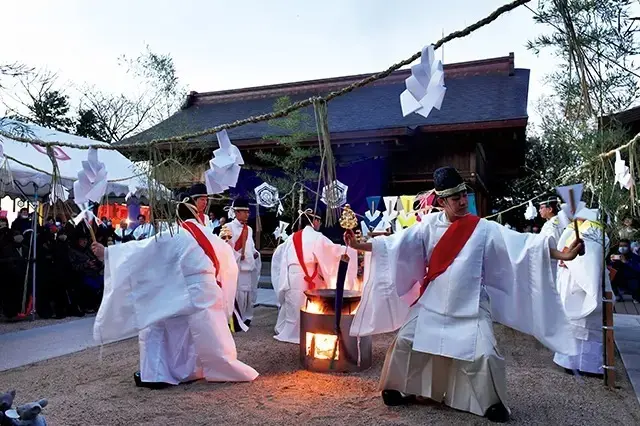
(327, 162)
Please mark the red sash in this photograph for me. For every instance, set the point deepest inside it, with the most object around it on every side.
(204, 243)
(297, 244)
(448, 248)
(242, 240)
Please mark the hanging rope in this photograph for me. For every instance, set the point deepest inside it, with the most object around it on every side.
(327, 162)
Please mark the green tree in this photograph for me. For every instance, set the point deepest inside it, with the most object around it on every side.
(595, 42)
(89, 126)
(292, 158)
(159, 96)
(39, 99)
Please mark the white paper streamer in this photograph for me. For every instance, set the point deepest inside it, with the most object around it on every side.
(224, 167)
(92, 180)
(390, 213)
(280, 211)
(531, 212)
(58, 192)
(280, 231)
(565, 193)
(267, 195)
(334, 195)
(623, 176)
(425, 87)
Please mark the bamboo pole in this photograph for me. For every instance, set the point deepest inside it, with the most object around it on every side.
(607, 317)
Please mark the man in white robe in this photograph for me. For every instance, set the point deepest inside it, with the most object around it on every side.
(477, 271)
(306, 260)
(248, 259)
(579, 283)
(144, 229)
(553, 226)
(177, 292)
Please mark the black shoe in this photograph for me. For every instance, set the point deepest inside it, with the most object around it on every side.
(583, 373)
(247, 323)
(393, 398)
(497, 413)
(150, 385)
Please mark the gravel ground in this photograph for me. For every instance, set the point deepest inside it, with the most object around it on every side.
(10, 327)
(85, 389)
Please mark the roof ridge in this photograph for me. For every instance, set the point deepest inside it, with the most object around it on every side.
(497, 65)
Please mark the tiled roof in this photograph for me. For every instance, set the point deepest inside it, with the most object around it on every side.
(477, 91)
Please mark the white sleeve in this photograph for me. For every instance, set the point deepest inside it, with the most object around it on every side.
(518, 274)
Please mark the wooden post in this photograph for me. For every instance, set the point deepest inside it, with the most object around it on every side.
(258, 227)
(607, 334)
(607, 317)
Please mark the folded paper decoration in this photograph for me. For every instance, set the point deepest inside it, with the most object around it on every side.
(372, 203)
(571, 195)
(280, 231)
(92, 180)
(224, 167)
(266, 195)
(425, 87)
(531, 212)
(623, 176)
(334, 195)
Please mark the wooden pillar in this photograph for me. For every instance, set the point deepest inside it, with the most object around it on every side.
(607, 334)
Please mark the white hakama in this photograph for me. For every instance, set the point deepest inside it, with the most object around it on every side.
(249, 269)
(446, 348)
(165, 288)
(471, 386)
(579, 283)
(288, 280)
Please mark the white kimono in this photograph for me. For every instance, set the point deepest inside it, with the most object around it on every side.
(248, 271)
(166, 289)
(580, 286)
(288, 277)
(123, 233)
(446, 349)
(147, 230)
(552, 228)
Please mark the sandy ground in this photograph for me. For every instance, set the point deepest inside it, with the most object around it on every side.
(82, 390)
(10, 327)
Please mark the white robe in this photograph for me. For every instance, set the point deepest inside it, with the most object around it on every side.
(147, 230)
(580, 286)
(248, 271)
(512, 266)
(165, 289)
(552, 228)
(451, 321)
(288, 278)
(123, 233)
(381, 310)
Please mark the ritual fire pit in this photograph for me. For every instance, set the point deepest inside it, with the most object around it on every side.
(322, 348)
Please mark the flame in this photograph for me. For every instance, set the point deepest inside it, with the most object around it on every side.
(324, 345)
(313, 308)
(317, 308)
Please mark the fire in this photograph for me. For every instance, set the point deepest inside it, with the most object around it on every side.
(323, 345)
(316, 308)
(313, 308)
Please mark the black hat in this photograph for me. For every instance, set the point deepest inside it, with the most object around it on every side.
(241, 204)
(448, 182)
(197, 190)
